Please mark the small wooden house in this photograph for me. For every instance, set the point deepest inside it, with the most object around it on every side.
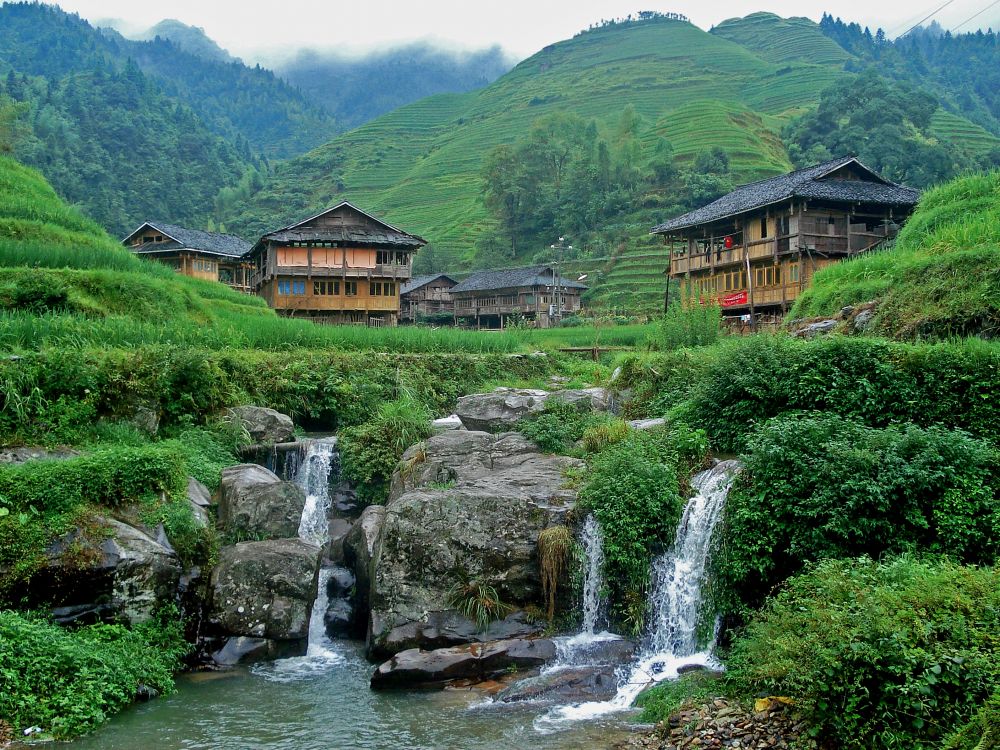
(488, 299)
(754, 250)
(342, 265)
(192, 252)
(426, 296)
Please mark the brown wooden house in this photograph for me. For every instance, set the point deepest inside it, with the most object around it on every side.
(425, 296)
(342, 265)
(754, 250)
(192, 252)
(488, 299)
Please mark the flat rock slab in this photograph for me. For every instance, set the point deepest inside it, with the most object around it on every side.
(264, 425)
(569, 685)
(501, 409)
(419, 668)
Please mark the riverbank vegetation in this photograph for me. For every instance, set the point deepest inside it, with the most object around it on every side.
(66, 682)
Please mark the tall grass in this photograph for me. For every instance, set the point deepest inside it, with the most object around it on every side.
(941, 279)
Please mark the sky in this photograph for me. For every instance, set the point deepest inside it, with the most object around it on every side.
(260, 30)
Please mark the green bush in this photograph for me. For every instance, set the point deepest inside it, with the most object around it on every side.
(42, 500)
(558, 427)
(816, 486)
(730, 388)
(877, 655)
(370, 452)
(981, 732)
(634, 490)
(690, 324)
(69, 681)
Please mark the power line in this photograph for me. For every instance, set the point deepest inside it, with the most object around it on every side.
(925, 18)
(976, 15)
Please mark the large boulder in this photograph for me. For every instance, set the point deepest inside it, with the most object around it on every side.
(255, 502)
(419, 668)
(359, 552)
(464, 506)
(265, 589)
(265, 426)
(504, 407)
(124, 576)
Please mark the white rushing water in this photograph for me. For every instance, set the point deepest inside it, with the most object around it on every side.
(313, 476)
(675, 601)
(576, 650)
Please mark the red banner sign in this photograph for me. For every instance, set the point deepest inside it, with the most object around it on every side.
(732, 300)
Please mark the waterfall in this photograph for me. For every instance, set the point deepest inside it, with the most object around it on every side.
(593, 578)
(313, 476)
(675, 599)
(579, 649)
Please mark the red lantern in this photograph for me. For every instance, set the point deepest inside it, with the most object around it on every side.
(728, 242)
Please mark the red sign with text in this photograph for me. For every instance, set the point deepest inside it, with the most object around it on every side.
(732, 300)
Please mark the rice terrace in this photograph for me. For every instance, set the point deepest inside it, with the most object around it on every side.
(552, 377)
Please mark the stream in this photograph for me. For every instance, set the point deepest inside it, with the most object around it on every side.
(322, 700)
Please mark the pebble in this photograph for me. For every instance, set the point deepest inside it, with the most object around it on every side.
(770, 723)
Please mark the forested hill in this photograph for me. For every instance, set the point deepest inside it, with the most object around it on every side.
(234, 100)
(598, 136)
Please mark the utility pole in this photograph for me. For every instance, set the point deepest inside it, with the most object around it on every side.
(558, 280)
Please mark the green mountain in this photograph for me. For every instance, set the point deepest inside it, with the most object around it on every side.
(192, 39)
(733, 88)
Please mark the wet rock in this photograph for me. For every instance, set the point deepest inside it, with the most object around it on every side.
(199, 501)
(464, 506)
(570, 685)
(145, 419)
(419, 668)
(265, 589)
(359, 553)
(244, 650)
(21, 454)
(449, 628)
(339, 619)
(862, 320)
(819, 328)
(452, 422)
(647, 424)
(504, 407)
(257, 503)
(265, 426)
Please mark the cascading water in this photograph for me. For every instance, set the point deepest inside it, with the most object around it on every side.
(313, 476)
(576, 650)
(675, 601)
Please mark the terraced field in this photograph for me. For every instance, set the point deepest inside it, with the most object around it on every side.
(419, 166)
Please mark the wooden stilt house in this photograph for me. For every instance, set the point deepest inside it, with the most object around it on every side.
(342, 265)
(754, 250)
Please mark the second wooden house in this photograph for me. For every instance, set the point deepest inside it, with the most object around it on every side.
(754, 250)
(427, 298)
(342, 265)
(490, 299)
(204, 255)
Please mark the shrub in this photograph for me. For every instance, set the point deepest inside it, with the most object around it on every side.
(605, 433)
(982, 732)
(370, 452)
(816, 486)
(555, 544)
(690, 324)
(888, 655)
(69, 681)
(633, 489)
(742, 382)
(558, 427)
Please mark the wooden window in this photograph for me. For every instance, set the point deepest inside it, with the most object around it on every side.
(793, 272)
(326, 288)
(375, 289)
(389, 288)
(769, 276)
(298, 287)
(777, 275)
(763, 227)
(351, 288)
(284, 286)
(758, 277)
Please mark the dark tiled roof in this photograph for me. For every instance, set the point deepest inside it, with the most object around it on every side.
(803, 183)
(208, 242)
(353, 235)
(418, 281)
(387, 235)
(511, 278)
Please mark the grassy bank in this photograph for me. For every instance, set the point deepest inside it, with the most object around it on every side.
(940, 279)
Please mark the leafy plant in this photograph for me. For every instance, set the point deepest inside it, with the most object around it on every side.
(888, 654)
(478, 601)
(816, 486)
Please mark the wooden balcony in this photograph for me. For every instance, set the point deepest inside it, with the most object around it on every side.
(389, 271)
